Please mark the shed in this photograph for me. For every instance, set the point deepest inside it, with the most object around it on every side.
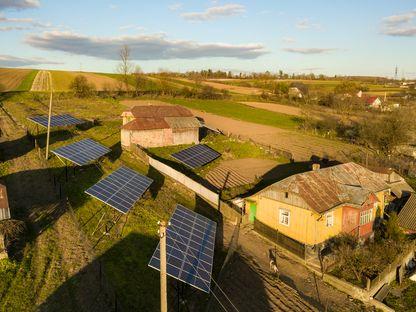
(159, 125)
(4, 203)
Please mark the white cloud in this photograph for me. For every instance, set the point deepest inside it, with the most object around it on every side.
(10, 28)
(18, 4)
(20, 20)
(14, 61)
(400, 25)
(288, 40)
(307, 24)
(143, 47)
(175, 6)
(309, 50)
(215, 12)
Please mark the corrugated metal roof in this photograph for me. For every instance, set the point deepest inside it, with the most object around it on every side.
(326, 188)
(160, 111)
(146, 124)
(4, 203)
(182, 122)
(407, 216)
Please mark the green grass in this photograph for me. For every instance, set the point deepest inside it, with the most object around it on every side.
(125, 258)
(406, 300)
(239, 111)
(27, 82)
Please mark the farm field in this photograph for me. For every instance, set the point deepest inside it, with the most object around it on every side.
(62, 80)
(12, 79)
(230, 87)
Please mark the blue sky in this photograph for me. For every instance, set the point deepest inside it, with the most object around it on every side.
(330, 37)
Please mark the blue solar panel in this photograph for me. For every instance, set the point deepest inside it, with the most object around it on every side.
(82, 152)
(121, 189)
(190, 243)
(196, 156)
(56, 120)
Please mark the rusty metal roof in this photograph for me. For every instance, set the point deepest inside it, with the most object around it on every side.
(160, 111)
(149, 123)
(4, 203)
(327, 188)
(407, 216)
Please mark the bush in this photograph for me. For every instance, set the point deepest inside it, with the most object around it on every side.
(81, 87)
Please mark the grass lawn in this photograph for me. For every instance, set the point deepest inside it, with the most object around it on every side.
(124, 257)
(27, 82)
(239, 111)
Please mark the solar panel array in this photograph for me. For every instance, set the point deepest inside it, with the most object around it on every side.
(196, 156)
(56, 120)
(82, 152)
(121, 189)
(190, 240)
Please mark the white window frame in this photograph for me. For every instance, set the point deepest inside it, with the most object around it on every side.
(284, 217)
(366, 216)
(329, 216)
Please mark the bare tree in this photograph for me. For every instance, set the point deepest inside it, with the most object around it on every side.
(125, 67)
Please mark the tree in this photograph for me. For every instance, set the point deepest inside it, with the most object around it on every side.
(125, 67)
(393, 230)
(81, 87)
(387, 132)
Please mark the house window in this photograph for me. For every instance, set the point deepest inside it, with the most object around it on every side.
(284, 217)
(330, 219)
(286, 195)
(366, 216)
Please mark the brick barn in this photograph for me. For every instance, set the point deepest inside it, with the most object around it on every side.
(159, 125)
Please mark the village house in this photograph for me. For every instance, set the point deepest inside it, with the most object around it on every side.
(159, 125)
(309, 208)
(373, 102)
(4, 215)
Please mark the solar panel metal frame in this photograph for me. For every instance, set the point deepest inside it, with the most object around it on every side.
(82, 152)
(190, 244)
(56, 120)
(196, 156)
(121, 189)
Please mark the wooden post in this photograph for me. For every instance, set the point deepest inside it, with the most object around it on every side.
(49, 118)
(163, 290)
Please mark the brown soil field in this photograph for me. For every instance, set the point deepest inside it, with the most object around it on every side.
(41, 81)
(236, 172)
(10, 78)
(231, 88)
(273, 107)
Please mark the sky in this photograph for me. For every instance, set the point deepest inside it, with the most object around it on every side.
(349, 37)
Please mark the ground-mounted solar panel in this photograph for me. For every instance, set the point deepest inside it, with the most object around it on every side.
(82, 152)
(121, 189)
(190, 243)
(56, 120)
(196, 156)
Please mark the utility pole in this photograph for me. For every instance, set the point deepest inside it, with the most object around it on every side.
(49, 117)
(163, 290)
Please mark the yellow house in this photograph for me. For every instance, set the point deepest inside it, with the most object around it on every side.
(308, 208)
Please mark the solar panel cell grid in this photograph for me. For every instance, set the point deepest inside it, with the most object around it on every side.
(196, 156)
(190, 240)
(56, 120)
(121, 189)
(82, 152)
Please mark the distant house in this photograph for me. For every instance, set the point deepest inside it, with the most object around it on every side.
(4, 215)
(407, 215)
(311, 207)
(295, 93)
(159, 125)
(373, 102)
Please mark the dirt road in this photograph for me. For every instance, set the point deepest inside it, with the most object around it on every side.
(56, 249)
(41, 81)
(278, 108)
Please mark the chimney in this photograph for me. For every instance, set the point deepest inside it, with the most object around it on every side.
(316, 167)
